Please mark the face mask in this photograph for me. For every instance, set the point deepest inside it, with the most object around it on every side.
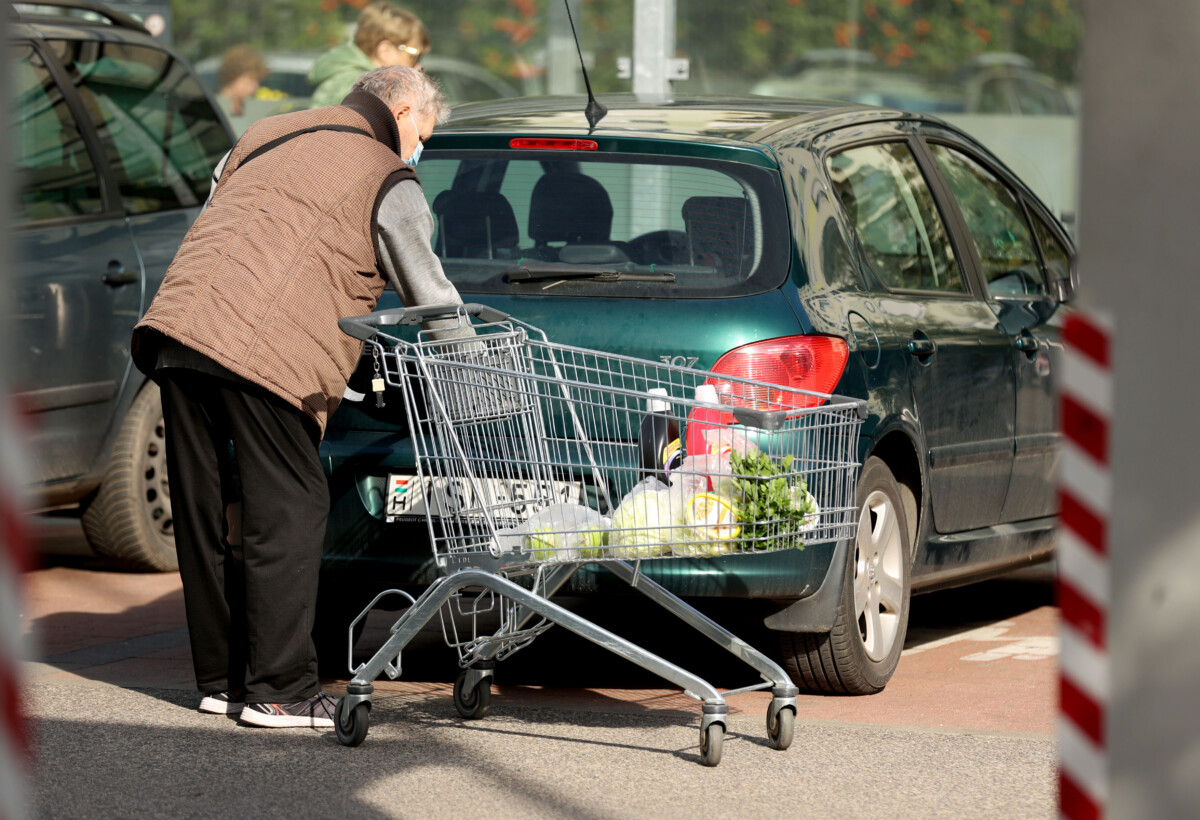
(416, 154)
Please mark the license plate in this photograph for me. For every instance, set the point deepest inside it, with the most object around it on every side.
(509, 500)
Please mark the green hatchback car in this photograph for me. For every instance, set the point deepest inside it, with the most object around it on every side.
(873, 253)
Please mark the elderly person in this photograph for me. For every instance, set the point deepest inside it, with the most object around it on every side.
(313, 213)
(384, 35)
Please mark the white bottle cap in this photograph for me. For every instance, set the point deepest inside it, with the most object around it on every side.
(657, 405)
(707, 394)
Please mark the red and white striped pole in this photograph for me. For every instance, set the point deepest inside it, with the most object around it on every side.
(1085, 493)
(14, 559)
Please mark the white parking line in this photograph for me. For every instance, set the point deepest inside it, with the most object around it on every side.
(1030, 648)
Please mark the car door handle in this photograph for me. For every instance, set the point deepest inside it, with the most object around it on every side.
(922, 348)
(1027, 343)
(117, 275)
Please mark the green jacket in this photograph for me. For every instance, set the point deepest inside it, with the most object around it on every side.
(334, 73)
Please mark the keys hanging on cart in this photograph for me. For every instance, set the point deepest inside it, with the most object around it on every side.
(378, 385)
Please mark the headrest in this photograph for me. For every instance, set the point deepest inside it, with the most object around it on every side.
(474, 224)
(569, 207)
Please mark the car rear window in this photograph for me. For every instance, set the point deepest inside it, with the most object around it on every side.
(595, 224)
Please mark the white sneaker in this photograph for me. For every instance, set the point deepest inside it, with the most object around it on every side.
(223, 703)
(314, 713)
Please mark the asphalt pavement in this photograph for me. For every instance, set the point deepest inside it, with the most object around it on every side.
(107, 751)
(964, 729)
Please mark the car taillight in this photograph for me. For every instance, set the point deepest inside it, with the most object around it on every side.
(813, 363)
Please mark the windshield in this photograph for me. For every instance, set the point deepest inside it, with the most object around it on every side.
(602, 224)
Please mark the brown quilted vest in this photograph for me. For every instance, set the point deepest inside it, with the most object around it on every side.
(284, 250)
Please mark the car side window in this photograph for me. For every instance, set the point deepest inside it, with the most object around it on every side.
(160, 133)
(893, 212)
(996, 221)
(1054, 256)
(54, 170)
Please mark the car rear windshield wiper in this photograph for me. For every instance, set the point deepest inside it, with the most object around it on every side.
(540, 273)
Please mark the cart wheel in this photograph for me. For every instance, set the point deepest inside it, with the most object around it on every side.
(711, 739)
(475, 704)
(351, 724)
(781, 729)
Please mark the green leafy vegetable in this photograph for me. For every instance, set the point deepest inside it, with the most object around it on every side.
(771, 512)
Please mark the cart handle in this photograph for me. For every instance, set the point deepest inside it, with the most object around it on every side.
(771, 420)
(364, 328)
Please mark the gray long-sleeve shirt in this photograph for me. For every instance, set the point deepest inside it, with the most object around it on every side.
(405, 250)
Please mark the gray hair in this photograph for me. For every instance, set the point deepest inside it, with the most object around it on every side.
(396, 84)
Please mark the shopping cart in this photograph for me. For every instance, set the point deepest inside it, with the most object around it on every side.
(536, 458)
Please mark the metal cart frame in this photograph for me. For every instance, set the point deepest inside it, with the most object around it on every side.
(479, 564)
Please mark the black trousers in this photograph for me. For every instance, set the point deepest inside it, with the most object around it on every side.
(249, 611)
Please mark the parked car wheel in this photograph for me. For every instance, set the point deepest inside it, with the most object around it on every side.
(860, 653)
(129, 521)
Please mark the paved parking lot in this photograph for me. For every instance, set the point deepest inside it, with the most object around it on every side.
(965, 727)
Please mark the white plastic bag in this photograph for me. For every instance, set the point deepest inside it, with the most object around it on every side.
(564, 532)
(712, 473)
(725, 441)
(645, 523)
(711, 526)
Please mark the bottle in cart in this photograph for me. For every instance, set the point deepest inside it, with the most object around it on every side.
(702, 419)
(659, 446)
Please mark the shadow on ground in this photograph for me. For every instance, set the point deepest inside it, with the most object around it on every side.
(560, 658)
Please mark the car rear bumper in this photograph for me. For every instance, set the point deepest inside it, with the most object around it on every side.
(358, 541)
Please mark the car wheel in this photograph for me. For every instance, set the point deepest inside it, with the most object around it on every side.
(860, 653)
(129, 521)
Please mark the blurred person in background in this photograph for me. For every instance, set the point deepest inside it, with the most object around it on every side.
(312, 214)
(241, 72)
(385, 35)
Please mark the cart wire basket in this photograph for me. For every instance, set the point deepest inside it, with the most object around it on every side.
(548, 456)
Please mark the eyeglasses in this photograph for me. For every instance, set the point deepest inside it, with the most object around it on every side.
(415, 53)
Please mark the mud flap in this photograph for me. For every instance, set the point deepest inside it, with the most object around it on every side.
(816, 612)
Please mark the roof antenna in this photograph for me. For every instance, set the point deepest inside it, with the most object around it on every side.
(594, 111)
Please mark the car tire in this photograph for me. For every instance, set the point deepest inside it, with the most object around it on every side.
(859, 655)
(129, 521)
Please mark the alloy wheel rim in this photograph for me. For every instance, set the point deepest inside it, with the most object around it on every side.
(878, 576)
(156, 492)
